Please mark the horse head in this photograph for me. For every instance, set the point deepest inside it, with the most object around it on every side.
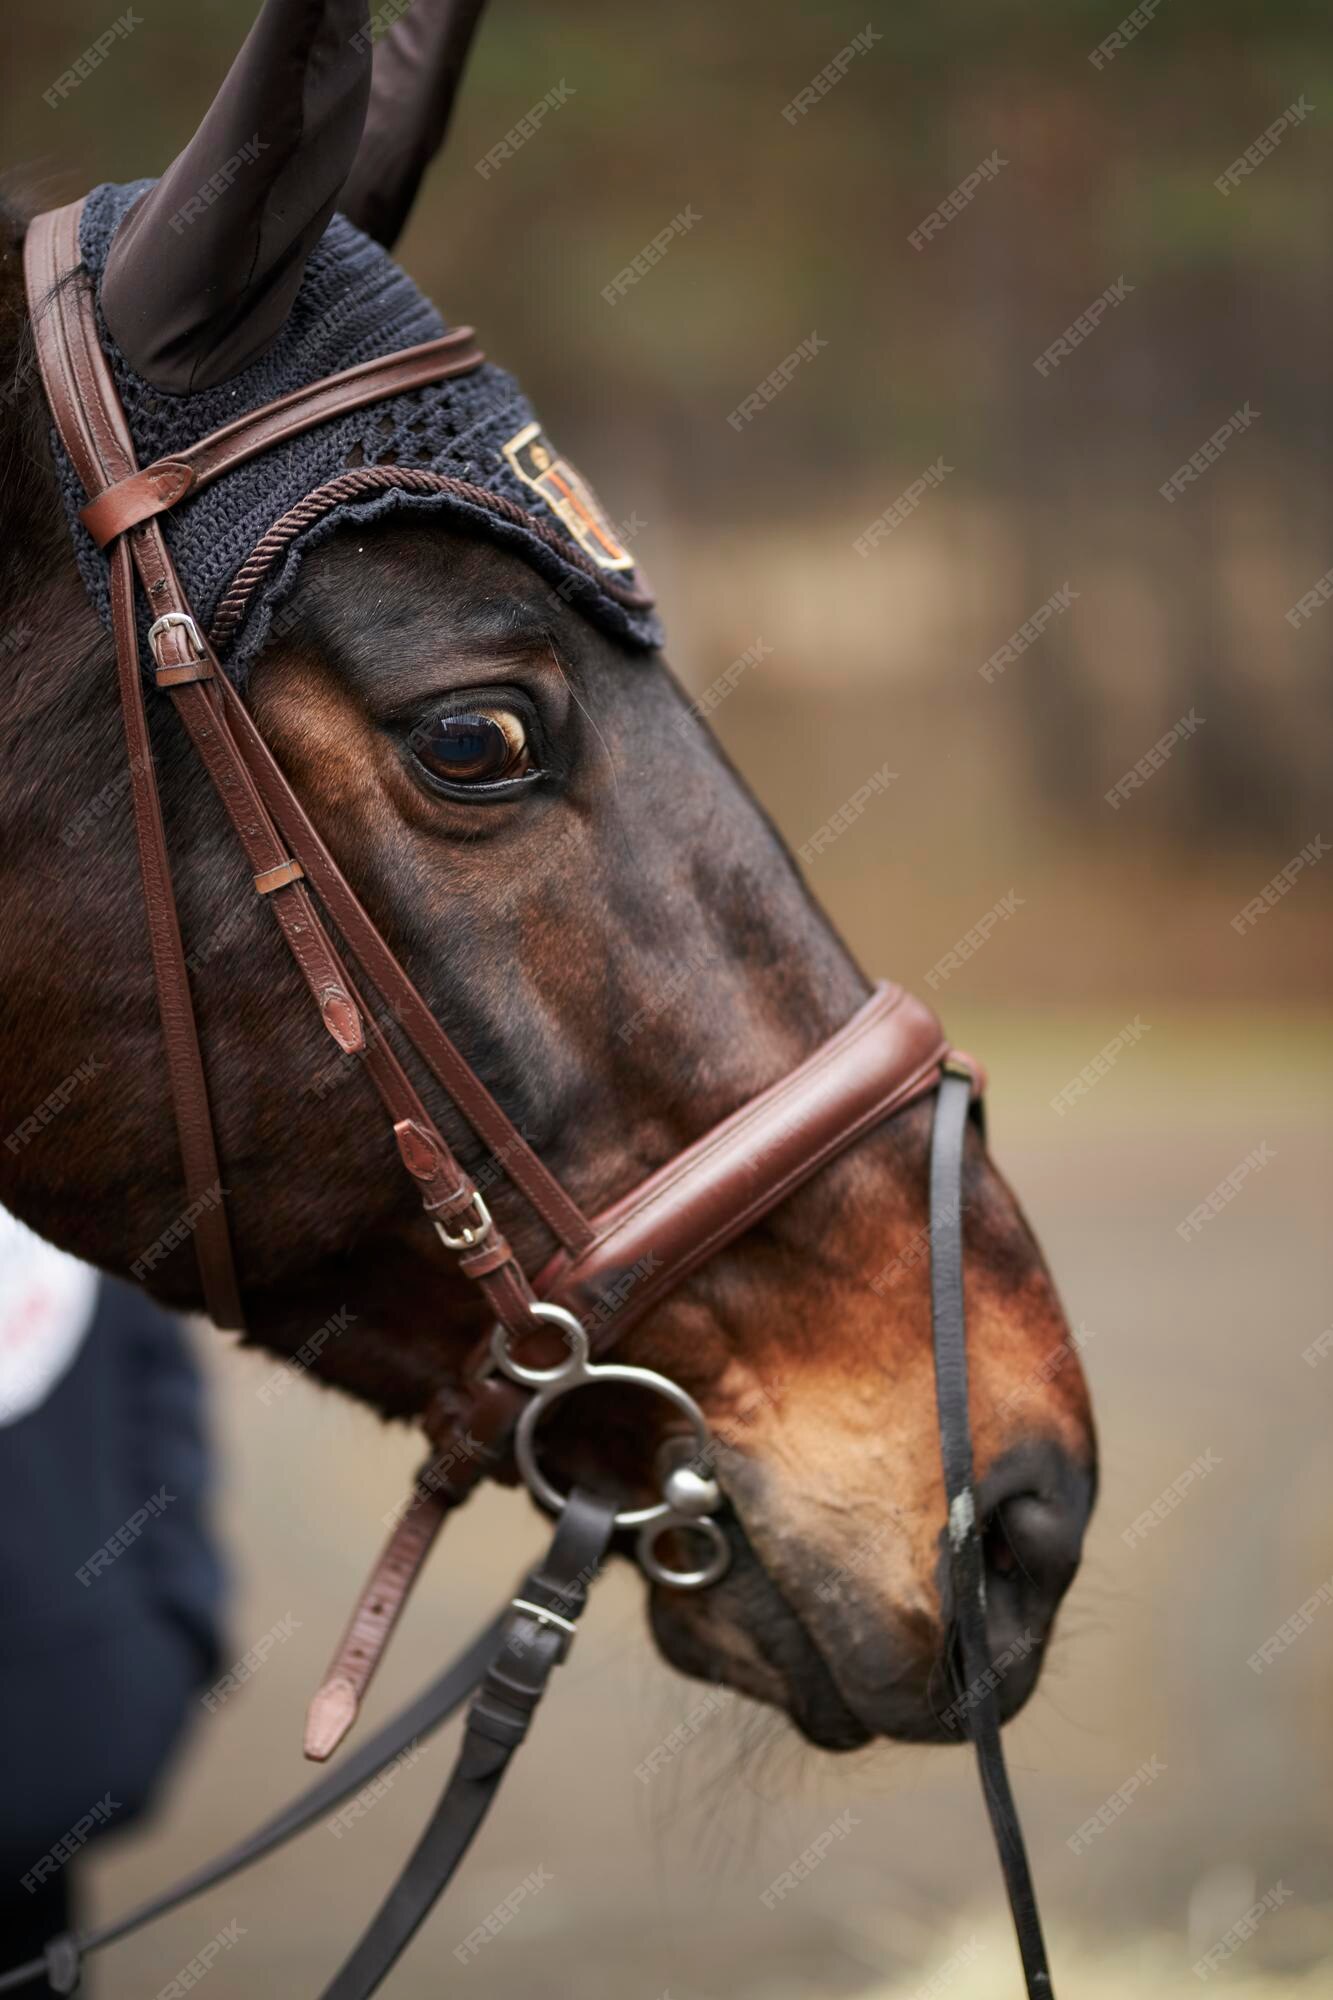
(471, 702)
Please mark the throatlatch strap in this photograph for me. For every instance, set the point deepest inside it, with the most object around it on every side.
(536, 1639)
(967, 1565)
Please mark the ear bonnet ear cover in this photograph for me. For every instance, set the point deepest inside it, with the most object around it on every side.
(354, 305)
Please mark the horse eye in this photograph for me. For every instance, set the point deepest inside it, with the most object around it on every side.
(478, 748)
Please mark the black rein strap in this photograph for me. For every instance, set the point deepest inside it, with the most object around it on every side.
(536, 1639)
(967, 1566)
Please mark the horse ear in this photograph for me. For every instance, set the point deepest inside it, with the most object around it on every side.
(417, 70)
(204, 268)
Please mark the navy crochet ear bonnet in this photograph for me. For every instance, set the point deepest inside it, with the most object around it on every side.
(354, 305)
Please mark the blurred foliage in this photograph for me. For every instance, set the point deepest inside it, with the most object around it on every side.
(807, 224)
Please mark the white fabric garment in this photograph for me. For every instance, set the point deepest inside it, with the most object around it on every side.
(46, 1308)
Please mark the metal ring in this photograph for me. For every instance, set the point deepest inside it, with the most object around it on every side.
(681, 1510)
(542, 1378)
(684, 1579)
(580, 1373)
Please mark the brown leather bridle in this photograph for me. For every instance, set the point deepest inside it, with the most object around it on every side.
(890, 1054)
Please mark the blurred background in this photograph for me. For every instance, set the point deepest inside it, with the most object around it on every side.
(1101, 183)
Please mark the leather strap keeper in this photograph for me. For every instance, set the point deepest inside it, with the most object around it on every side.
(278, 878)
(194, 670)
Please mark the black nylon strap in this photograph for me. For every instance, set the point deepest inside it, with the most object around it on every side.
(501, 1711)
(967, 1566)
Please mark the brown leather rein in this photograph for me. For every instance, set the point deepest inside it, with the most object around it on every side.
(608, 1270)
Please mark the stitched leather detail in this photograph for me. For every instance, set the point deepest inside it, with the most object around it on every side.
(88, 414)
(376, 1612)
(452, 1203)
(421, 1156)
(561, 1215)
(342, 1020)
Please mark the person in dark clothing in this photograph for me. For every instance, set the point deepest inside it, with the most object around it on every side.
(110, 1585)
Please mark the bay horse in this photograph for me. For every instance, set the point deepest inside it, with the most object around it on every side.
(456, 671)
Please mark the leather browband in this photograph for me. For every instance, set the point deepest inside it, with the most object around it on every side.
(158, 487)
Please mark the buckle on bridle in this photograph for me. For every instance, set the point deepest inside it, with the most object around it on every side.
(183, 622)
(470, 1233)
(170, 673)
(552, 1620)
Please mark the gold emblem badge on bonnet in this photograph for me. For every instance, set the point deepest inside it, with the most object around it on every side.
(568, 495)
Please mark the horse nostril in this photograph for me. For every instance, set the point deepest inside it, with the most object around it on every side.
(1036, 1540)
(997, 1548)
(1035, 1505)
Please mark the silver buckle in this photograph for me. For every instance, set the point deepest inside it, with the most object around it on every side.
(183, 620)
(551, 1619)
(471, 1234)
